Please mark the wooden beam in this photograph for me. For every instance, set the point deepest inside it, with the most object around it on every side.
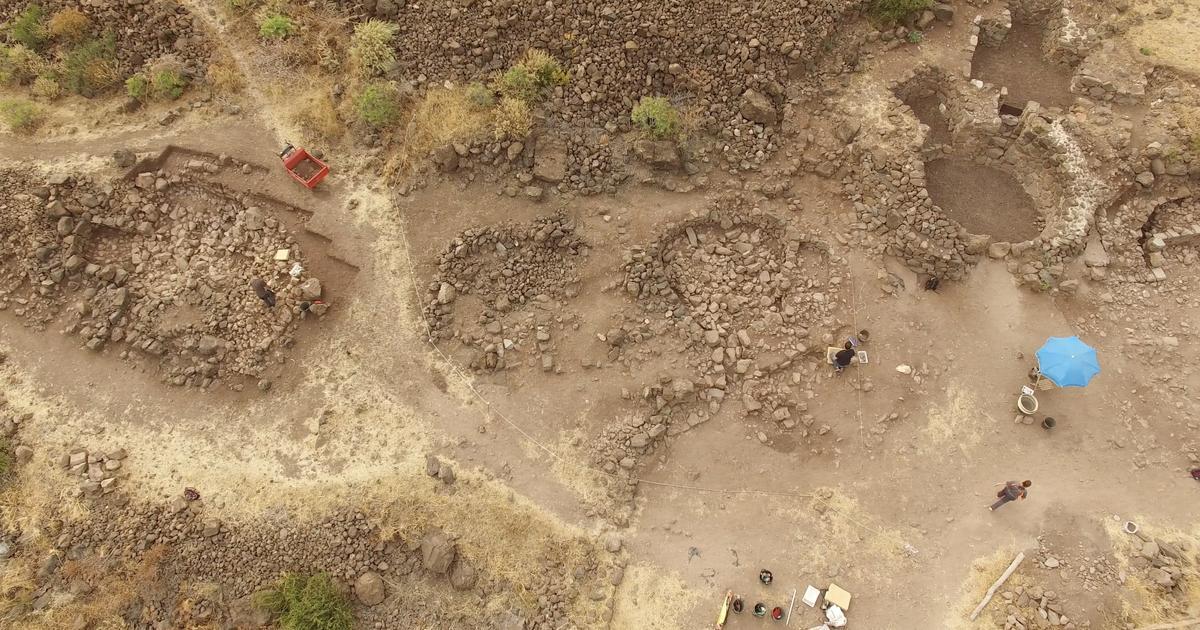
(995, 585)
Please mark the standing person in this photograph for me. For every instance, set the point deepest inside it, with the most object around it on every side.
(1011, 492)
(844, 357)
(263, 292)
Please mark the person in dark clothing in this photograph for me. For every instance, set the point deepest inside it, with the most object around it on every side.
(263, 292)
(844, 356)
(1011, 492)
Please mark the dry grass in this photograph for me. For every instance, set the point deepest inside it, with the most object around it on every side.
(500, 534)
(984, 571)
(846, 530)
(70, 25)
(645, 595)
(441, 117)
(1173, 40)
(954, 423)
(224, 76)
(1143, 602)
(316, 114)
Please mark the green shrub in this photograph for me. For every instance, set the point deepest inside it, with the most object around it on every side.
(307, 603)
(168, 85)
(480, 97)
(530, 77)
(138, 86)
(371, 46)
(19, 65)
(20, 115)
(896, 10)
(517, 82)
(512, 119)
(915, 37)
(545, 69)
(27, 28)
(277, 26)
(46, 87)
(69, 24)
(379, 105)
(91, 67)
(656, 116)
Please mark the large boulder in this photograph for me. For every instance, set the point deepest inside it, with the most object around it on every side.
(446, 158)
(757, 107)
(550, 160)
(463, 576)
(243, 613)
(310, 289)
(369, 588)
(437, 552)
(657, 153)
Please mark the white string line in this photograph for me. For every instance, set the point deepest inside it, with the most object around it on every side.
(467, 381)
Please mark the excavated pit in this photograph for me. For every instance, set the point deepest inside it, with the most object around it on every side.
(928, 110)
(982, 199)
(1020, 65)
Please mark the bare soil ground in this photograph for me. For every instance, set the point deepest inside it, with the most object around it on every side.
(983, 199)
(527, 407)
(1020, 65)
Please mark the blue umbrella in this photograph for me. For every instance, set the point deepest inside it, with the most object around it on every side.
(1068, 362)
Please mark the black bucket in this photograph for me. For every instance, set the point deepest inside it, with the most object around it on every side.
(1049, 423)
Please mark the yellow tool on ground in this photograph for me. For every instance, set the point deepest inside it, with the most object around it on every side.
(724, 614)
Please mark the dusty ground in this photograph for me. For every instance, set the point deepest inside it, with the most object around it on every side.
(876, 479)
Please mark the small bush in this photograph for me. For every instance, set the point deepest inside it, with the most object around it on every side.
(371, 46)
(379, 105)
(307, 603)
(480, 97)
(530, 77)
(277, 26)
(138, 86)
(69, 24)
(896, 10)
(27, 28)
(20, 115)
(517, 82)
(168, 85)
(513, 119)
(656, 116)
(46, 87)
(915, 37)
(19, 65)
(545, 69)
(91, 67)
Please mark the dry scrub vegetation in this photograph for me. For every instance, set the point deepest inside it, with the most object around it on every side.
(1145, 603)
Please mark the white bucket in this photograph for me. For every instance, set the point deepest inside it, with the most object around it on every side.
(1027, 404)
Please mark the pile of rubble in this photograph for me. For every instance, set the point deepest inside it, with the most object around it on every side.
(731, 275)
(146, 31)
(508, 270)
(1035, 607)
(98, 472)
(1165, 565)
(161, 265)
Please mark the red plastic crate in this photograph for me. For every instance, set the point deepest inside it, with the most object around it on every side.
(303, 166)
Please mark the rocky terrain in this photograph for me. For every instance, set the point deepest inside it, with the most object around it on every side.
(571, 371)
(158, 268)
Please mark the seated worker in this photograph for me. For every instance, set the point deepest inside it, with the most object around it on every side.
(844, 357)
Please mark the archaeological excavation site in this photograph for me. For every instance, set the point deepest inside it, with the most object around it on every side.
(564, 315)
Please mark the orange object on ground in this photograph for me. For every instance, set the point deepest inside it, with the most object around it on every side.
(303, 166)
